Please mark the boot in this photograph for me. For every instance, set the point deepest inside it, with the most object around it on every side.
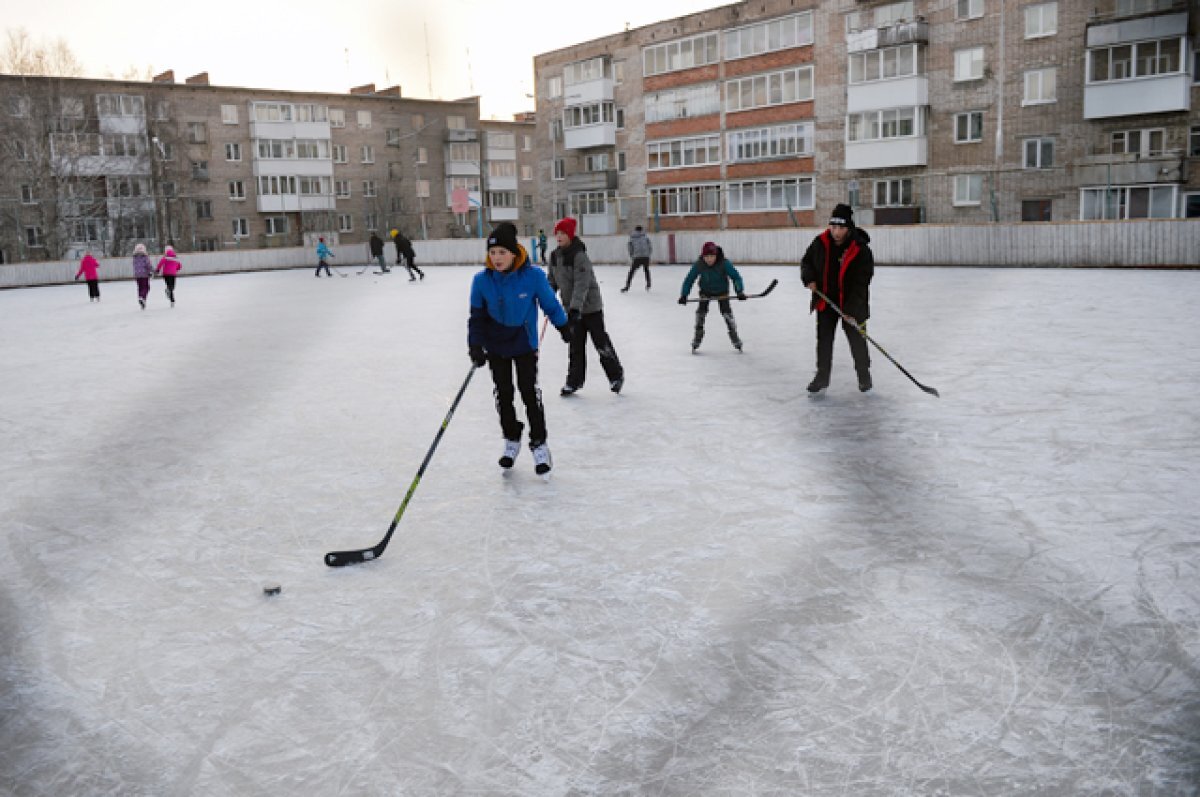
(541, 458)
(731, 325)
(819, 383)
(511, 449)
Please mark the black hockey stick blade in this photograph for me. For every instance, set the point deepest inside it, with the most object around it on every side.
(930, 390)
(767, 290)
(343, 558)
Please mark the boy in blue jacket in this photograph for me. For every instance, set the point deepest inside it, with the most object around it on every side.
(714, 272)
(502, 333)
(323, 255)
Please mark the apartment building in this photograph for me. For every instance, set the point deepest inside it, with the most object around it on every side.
(767, 113)
(509, 186)
(108, 164)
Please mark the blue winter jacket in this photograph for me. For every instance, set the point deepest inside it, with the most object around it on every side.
(323, 252)
(504, 308)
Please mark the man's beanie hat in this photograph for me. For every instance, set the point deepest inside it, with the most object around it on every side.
(505, 235)
(567, 226)
(842, 214)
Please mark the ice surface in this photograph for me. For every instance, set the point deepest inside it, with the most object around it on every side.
(727, 587)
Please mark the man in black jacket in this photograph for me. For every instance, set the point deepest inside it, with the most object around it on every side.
(406, 255)
(839, 263)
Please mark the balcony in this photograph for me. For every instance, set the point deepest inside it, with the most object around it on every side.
(1138, 8)
(890, 93)
(1130, 169)
(593, 181)
(294, 203)
(315, 130)
(588, 136)
(1140, 95)
(456, 136)
(916, 32)
(890, 153)
(503, 214)
(462, 169)
(600, 90)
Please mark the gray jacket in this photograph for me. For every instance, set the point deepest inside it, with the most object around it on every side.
(639, 244)
(572, 276)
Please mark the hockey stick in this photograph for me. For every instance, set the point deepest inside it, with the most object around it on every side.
(862, 331)
(343, 558)
(364, 268)
(769, 288)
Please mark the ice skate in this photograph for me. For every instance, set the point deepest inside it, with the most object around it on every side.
(541, 460)
(617, 384)
(864, 382)
(511, 449)
(818, 384)
(568, 390)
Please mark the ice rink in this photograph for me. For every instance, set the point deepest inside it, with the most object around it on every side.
(727, 588)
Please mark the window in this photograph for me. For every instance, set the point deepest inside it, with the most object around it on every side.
(620, 161)
(1128, 7)
(368, 153)
(526, 202)
(456, 122)
(369, 188)
(1040, 86)
(500, 168)
(1036, 210)
(167, 188)
(19, 106)
(889, 62)
(123, 146)
(396, 205)
(364, 119)
(590, 203)
(199, 170)
(595, 163)
(71, 107)
(684, 152)
(498, 140)
(312, 113)
(560, 169)
(502, 199)
(341, 189)
(586, 115)
(422, 188)
(233, 152)
(766, 143)
(393, 136)
(27, 197)
(162, 110)
(1039, 153)
(207, 244)
(464, 151)
(339, 154)
(1191, 206)
(20, 151)
(968, 9)
(33, 238)
(337, 117)
(893, 193)
(197, 132)
(892, 13)
(968, 189)
(766, 37)
(586, 71)
(968, 127)
(777, 88)
(274, 148)
(791, 193)
(395, 170)
(371, 221)
(685, 200)
(885, 124)
(276, 225)
(620, 118)
(1194, 142)
(968, 64)
(314, 186)
(237, 190)
(422, 155)
(275, 186)
(120, 105)
(1128, 202)
(618, 68)
(679, 54)
(241, 228)
(554, 87)
(204, 208)
(527, 143)
(345, 222)
(1041, 20)
(526, 172)
(418, 121)
(681, 103)
(271, 111)
(1144, 59)
(1144, 143)
(229, 116)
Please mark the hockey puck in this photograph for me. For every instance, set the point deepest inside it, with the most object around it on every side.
(272, 589)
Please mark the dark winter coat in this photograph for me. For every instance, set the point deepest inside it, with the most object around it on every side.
(714, 279)
(841, 273)
(571, 274)
(376, 244)
(504, 308)
(404, 247)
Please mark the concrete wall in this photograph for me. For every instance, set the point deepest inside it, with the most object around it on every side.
(1168, 243)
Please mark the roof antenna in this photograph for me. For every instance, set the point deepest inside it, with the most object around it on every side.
(470, 77)
(428, 62)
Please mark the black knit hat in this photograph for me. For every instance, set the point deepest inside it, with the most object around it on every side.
(505, 235)
(843, 215)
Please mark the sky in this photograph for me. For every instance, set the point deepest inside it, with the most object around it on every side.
(475, 47)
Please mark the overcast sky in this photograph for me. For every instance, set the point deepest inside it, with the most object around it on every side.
(474, 46)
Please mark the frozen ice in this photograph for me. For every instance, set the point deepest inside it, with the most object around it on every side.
(727, 588)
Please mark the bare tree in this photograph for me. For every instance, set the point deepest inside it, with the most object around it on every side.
(23, 56)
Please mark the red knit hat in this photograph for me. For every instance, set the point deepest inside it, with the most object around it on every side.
(567, 226)
(709, 248)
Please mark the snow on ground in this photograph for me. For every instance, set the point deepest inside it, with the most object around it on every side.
(726, 588)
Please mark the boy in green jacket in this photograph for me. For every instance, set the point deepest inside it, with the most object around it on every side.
(714, 272)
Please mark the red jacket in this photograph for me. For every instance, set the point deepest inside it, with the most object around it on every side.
(87, 267)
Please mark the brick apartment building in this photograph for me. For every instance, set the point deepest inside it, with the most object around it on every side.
(107, 164)
(766, 113)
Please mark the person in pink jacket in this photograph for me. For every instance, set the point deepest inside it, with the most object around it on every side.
(87, 269)
(169, 266)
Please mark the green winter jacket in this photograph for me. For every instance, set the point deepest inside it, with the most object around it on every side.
(714, 279)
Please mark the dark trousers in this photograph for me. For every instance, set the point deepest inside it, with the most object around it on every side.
(323, 265)
(591, 324)
(827, 323)
(702, 315)
(143, 284)
(410, 263)
(525, 366)
(170, 280)
(93, 289)
(638, 262)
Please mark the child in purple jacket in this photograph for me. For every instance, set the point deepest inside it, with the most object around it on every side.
(142, 271)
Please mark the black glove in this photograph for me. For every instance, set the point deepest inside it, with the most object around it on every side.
(565, 331)
(683, 300)
(478, 358)
(574, 316)
(741, 296)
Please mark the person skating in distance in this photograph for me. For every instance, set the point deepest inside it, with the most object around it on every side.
(502, 334)
(840, 264)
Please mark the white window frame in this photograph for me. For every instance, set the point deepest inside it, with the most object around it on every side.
(683, 102)
(229, 116)
(341, 189)
(885, 124)
(893, 13)
(367, 152)
(885, 63)
(422, 155)
(27, 196)
(337, 117)
(769, 89)
(1194, 141)
(554, 87)
(1041, 20)
(769, 194)
(422, 188)
(683, 153)
(363, 119)
(1126, 61)
(968, 9)
(974, 133)
(679, 54)
(526, 172)
(456, 122)
(276, 225)
(781, 33)
(237, 190)
(340, 154)
(896, 192)
(1034, 153)
(682, 200)
(1138, 141)
(1036, 78)
(233, 152)
(369, 188)
(966, 185)
(970, 63)
(241, 228)
(1120, 204)
(345, 222)
(754, 144)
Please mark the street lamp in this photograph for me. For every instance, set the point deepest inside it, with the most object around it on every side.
(166, 200)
